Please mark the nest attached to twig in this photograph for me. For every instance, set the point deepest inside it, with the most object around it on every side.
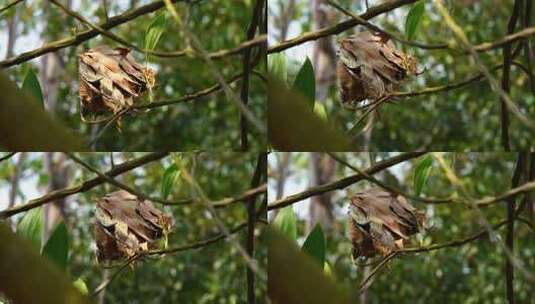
(126, 225)
(110, 81)
(370, 68)
(380, 222)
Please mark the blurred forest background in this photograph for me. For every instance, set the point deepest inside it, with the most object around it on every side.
(461, 119)
(208, 122)
(472, 272)
(213, 272)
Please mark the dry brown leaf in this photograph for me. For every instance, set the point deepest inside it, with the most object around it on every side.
(369, 67)
(110, 81)
(380, 221)
(126, 225)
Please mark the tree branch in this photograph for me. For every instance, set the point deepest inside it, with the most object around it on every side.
(85, 186)
(216, 55)
(247, 195)
(340, 27)
(344, 182)
(506, 85)
(7, 6)
(7, 156)
(84, 35)
(260, 171)
(247, 67)
(389, 188)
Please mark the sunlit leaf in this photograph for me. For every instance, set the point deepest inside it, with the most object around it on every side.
(305, 83)
(277, 67)
(56, 248)
(155, 31)
(170, 176)
(81, 286)
(30, 226)
(320, 111)
(413, 19)
(421, 173)
(286, 222)
(315, 244)
(31, 85)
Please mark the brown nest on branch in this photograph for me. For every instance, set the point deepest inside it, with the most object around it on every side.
(370, 68)
(110, 82)
(381, 221)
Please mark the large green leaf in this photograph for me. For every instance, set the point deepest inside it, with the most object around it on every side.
(421, 173)
(277, 67)
(24, 126)
(170, 176)
(27, 277)
(293, 125)
(413, 19)
(31, 85)
(305, 82)
(286, 222)
(56, 248)
(294, 277)
(315, 244)
(30, 226)
(155, 31)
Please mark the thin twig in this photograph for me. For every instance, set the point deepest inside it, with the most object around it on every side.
(7, 6)
(7, 156)
(217, 74)
(376, 28)
(216, 55)
(461, 36)
(251, 263)
(260, 171)
(506, 82)
(188, 97)
(244, 94)
(247, 195)
(363, 285)
(84, 35)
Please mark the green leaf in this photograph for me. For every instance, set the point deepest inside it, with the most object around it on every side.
(155, 31)
(320, 111)
(81, 286)
(56, 248)
(293, 125)
(31, 85)
(305, 83)
(421, 173)
(294, 277)
(413, 19)
(27, 277)
(30, 226)
(39, 132)
(315, 244)
(286, 222)
(277, 67)
(170, 176)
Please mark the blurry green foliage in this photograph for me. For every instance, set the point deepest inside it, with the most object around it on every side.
(212, 274)
(465, 119)
(472, 273)
(207, 123)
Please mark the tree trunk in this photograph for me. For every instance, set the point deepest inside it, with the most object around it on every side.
(324, 53)
(322, 168)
